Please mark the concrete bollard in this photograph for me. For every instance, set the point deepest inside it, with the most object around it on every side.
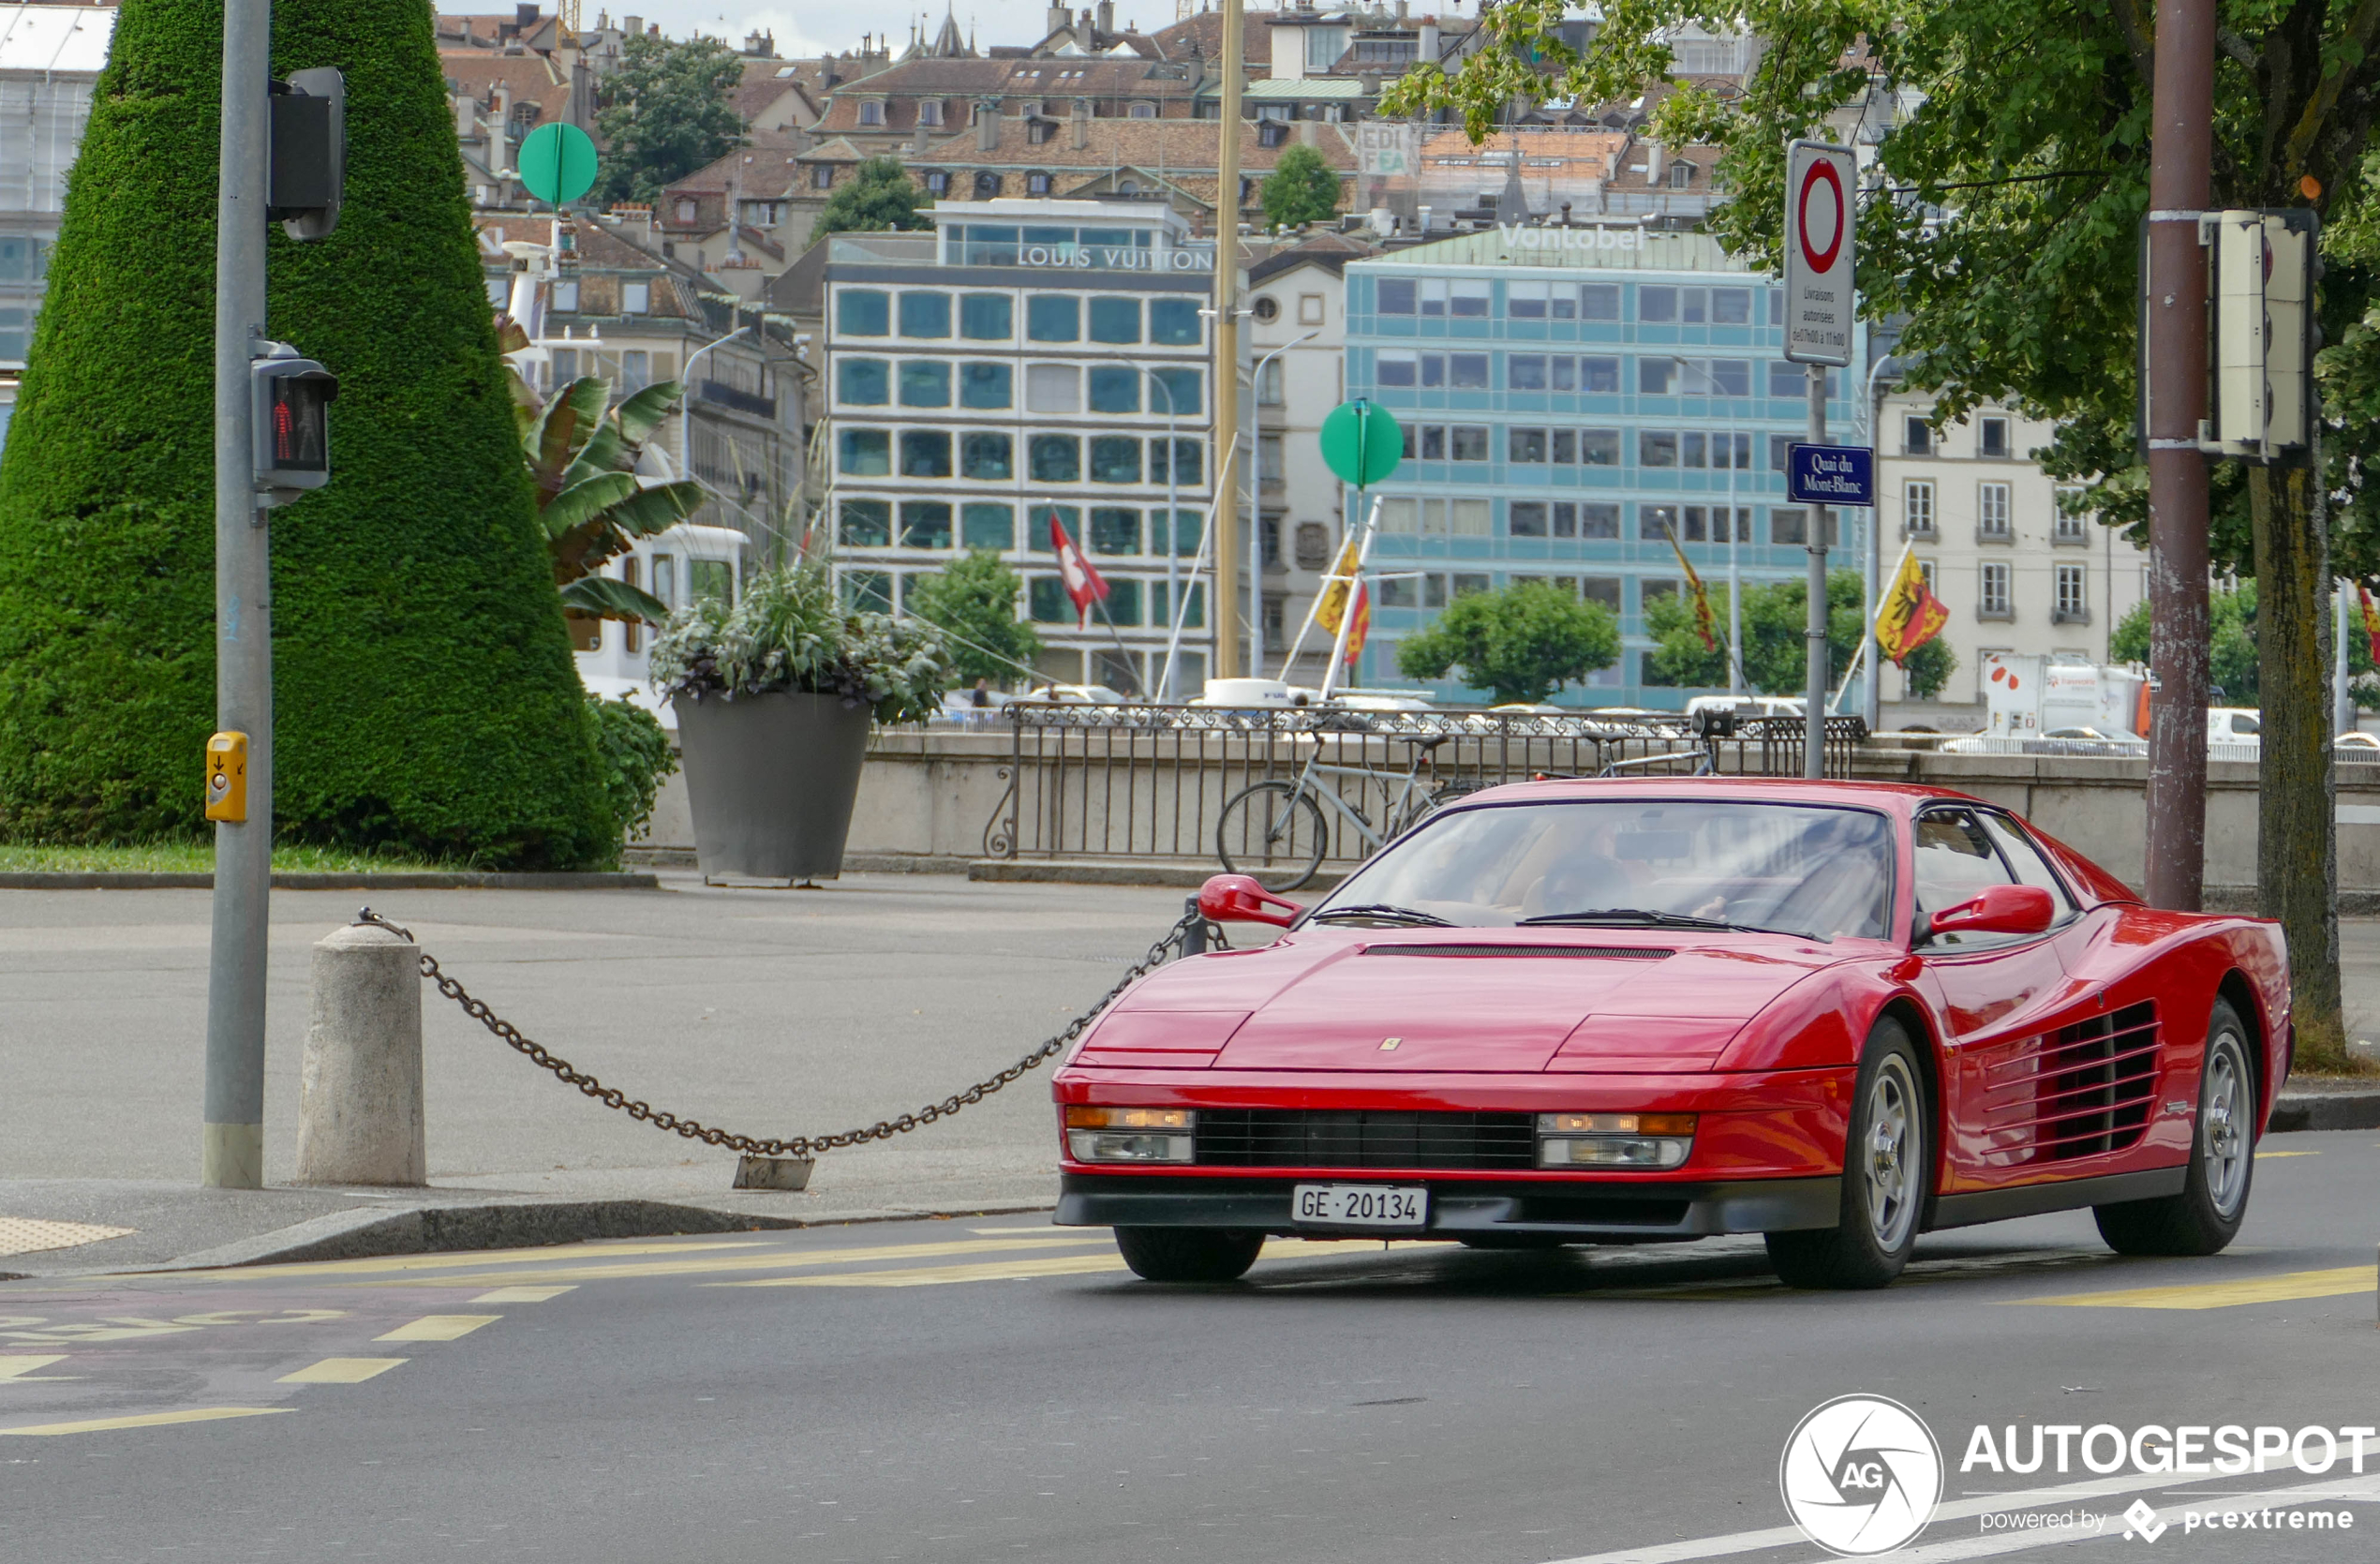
(360, 1117)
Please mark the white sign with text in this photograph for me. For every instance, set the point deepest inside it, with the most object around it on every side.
(1820, 216)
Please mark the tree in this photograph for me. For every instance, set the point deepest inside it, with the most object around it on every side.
(2234, 657)
(2005, 240)
(590, 503)
(1775, 644)
(426, 699)
(1520, 643)
(668, 109)
(879, 198)
(1302, 189)
(974, 601)
(1924, 671)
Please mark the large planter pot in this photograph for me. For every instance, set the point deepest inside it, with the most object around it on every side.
(772, 780)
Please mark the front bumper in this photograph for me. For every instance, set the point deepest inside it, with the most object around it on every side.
(1607, 1211)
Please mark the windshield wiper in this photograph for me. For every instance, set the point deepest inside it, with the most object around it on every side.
(1638, 918)
(1381, 912)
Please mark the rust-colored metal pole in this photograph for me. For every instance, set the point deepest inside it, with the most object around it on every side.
(2181, 185)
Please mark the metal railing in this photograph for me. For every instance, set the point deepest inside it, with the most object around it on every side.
(1132, 780)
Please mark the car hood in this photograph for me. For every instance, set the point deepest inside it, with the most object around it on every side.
(1460, 1000)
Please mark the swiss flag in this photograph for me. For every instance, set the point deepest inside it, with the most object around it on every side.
(1084, 584)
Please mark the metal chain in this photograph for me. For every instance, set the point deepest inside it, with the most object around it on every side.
(800, 1145)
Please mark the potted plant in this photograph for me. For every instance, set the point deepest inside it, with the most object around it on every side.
(775, 694)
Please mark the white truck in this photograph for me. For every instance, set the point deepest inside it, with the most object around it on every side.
(2048, 705)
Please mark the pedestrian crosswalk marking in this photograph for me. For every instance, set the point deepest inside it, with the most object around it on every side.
(341, 1371)
(2288, 1287)
(772, 1259)
(148, 1420)
(522, 1294)
(440, 1327)
(20, 1365)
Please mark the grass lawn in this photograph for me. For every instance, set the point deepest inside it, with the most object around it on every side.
(194, 858)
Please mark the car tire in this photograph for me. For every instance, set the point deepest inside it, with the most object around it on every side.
(1189, 1254)
(2205, 1217)
(1887, 1175)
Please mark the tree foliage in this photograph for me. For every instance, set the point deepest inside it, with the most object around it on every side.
(1302, 189)
(878, 197)
(636, 758)
(591, 505)
(2234, 659)
(1775, 643)
(1522, 643)
(425, 697)
(668, 109)
(973, 599)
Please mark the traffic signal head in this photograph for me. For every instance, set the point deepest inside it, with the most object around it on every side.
(309, 151)
(2264, 267)
(290, 407)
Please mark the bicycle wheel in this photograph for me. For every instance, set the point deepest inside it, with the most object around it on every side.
(1273, 832)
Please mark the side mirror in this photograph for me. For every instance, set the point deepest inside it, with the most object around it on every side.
(1238, 899)
(1998, 910)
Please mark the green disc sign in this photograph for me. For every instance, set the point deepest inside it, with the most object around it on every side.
(1362, 444)
(557, 162)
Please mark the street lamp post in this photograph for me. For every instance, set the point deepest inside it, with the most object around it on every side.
(1255, 502)
(686, 413)
(1173, 556)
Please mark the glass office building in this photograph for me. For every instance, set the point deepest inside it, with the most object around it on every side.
(1021, 361)
(1570, 398)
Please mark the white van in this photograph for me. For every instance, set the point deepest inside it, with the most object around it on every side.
(679, 566)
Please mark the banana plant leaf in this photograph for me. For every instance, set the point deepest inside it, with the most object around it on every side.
(606, 598)
(642, 414)
(585, 500)
(556, 446)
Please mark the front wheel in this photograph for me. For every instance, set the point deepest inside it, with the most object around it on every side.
(1887, 1172)
(1189, 1254)
(1273, 832)
(2205, 1217)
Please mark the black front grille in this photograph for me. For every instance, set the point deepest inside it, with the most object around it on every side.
(1329, 1138)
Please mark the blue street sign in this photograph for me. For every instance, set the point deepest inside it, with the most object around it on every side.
(1830, 474)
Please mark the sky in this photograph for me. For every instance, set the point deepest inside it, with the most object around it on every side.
(810, 25)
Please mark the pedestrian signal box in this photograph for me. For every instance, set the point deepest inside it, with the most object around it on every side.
(2265, 269)
(291, 410)
(308, 169)
(227, 777)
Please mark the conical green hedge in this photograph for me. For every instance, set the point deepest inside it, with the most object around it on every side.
(425, 696)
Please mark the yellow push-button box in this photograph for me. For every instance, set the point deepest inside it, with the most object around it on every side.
(227, 777)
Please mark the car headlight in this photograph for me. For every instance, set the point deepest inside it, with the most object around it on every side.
(1613, 1139)
(1097, 1134)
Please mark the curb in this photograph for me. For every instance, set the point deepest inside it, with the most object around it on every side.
(2304, 1110)
(111, 879)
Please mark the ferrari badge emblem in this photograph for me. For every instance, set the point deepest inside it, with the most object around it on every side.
(1387, 1045)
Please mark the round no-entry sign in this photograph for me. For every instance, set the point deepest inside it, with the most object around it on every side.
(1820, 239)
(1817, 215)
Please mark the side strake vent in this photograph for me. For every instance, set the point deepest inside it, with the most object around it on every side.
(2082, 1091)
(1573, 952)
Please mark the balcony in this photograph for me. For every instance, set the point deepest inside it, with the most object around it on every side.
(722, 395)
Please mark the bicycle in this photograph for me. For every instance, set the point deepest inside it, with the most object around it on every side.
(1282, 831)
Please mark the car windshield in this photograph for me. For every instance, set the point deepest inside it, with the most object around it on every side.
(1819, 872)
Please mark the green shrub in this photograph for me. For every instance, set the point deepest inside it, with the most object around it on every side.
(426, 699)
(637, 758)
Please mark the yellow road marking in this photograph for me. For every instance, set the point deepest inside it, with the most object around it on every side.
(522, 1294)
(340, 1371)
(440, 1327)
(149, 1420)
(1022, 1269)
(775, 1260)
(2262, 1156)
(2226, 1295)
(1038, 1226)
(19, 1365)
(393, 1263)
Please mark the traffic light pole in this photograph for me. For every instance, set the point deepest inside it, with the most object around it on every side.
(2180, 186)
(232, 1150)
(1814, 685)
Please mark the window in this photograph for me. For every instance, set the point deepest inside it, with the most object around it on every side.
(1432, 295)
(1468, 296)
(925, 382)
(1992, 602)
(1047, 601)
(1779, 447)
(987, 317)
(1599, 301)
(1188, 527)
(1991, 438)
(1395, 296)
(1396, 366)
(1055, 459)
(1053, 387)
(864, 382)
(1524, 372)
(1731, 306)
(1309, 309)
(1598, 375)
(566, 298)
(865, 524)
(1681, 176)
(1527, 301)
(565, 365)
(1114, 531)
(1658, 306)
(1599, 448)
(1655, 448)
(1141, 110)
(1656, 523)
(930, 111)
(1433, 443)
(1271, 132)
(1037, 525)
(1789, 526)
(925, 523)
(987, 455)
(1527, 519)
(987, 185)
(1786, 381)
(1729, 377)
(687, 209)
(1468, 443)
(1470, 518)
(1657, 377)
(1269, 468)
(1115, 459)
(1122, 607)
(1177, 389)
(1036, 132)
(863, 312)
(1917, 437)
(1173, 322)
(865, 592)
(1268, 384)
(866, 454)
(986, 385)
(822, 177)
(987, 525)
(1566, 447)
(2026, 859)
(1189, 462)
(1266, 308)
(1468, 371)
(1563, 373)
(1433, 370)
(1992, 512)
(926, 314)
(636, 298)
(1114, 388)
(938, 183)
(1525, 445)
(764, 214)
(1115, 319)
(1053, 317)
(925, 453)
(1038, 184)
(2073, 522)
(1917, 508)
(871, 111)
(2074, 602)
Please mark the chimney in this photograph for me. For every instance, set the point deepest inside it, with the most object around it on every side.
(1081, 123)
(1426, 49)
(1107, 15)
(988, 125)
(1368, 84)
(1656, 162)
(1060, 16)
(524, 17)
(632, 25)
(1400, 11)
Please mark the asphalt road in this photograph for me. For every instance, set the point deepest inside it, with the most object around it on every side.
(964, 1390)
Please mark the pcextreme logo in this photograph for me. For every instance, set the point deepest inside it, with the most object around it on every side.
(1861, 1475)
